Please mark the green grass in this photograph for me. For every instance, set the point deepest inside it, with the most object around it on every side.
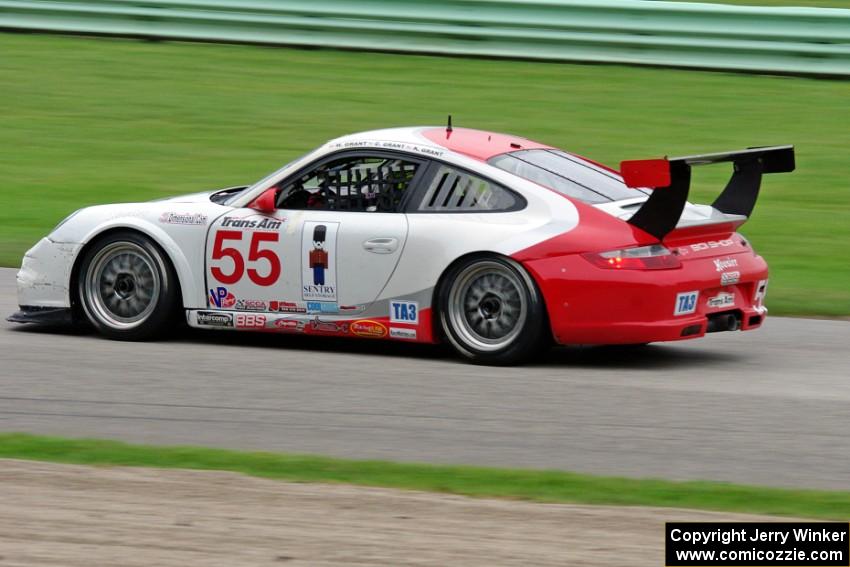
(542, 486)
(809, 3)
(88, 120)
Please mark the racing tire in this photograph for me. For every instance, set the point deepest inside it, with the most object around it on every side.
(491, 311)
(127, 288)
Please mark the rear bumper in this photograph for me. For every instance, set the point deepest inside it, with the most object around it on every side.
(590, 305)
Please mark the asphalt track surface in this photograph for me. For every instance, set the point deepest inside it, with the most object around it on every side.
(769, 407)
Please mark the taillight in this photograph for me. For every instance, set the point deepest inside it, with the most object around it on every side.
(654, 257)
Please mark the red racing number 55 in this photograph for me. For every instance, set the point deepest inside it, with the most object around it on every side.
(255, 254)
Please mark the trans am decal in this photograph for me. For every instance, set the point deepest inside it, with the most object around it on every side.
(318, 261)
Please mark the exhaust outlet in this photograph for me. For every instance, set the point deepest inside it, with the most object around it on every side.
(723, 322)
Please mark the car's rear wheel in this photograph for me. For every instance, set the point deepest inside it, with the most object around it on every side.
(491, 311)
(127, 287)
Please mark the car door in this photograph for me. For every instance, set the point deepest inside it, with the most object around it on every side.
(252, 260)
(348, 257)
(347, 209)
(331, 245)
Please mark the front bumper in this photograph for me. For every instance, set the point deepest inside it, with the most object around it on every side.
(45, 274)
(42, 315)
(590, 305)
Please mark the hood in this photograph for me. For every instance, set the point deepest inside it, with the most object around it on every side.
(216, 196)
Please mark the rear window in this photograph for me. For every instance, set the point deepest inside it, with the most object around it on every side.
(566, 174)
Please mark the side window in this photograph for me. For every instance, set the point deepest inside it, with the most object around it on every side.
(359, 183)
(453, 190)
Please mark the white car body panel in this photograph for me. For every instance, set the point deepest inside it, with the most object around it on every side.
(426, 244)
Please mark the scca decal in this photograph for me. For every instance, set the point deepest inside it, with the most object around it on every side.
(369, 329)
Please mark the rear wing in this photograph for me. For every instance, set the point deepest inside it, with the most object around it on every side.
(671, 178)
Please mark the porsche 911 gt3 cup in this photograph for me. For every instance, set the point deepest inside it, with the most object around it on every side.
(493, 243)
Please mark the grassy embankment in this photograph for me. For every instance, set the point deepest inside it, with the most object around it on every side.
(88, 121)
(543, 486)
(782, 3)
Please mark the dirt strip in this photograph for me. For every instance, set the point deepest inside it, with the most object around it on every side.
(70, 515)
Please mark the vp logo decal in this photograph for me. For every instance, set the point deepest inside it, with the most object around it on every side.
(222, 298)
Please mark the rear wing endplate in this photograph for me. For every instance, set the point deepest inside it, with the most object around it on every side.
(671, 178)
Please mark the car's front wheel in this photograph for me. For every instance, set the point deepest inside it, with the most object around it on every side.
(127, 287)
(492, 312)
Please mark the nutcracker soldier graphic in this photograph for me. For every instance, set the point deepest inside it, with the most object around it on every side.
(318, 255)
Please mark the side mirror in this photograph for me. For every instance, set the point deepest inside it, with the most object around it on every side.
(265, 203)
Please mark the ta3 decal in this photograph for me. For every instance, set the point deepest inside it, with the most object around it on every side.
(404, 312)
(686, 303)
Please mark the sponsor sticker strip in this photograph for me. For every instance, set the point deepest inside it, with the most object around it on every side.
(402, 333)
(214, 319)
(183, 218)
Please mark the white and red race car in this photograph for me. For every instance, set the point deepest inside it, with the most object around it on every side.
(494, 243)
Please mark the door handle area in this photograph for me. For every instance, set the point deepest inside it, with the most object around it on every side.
(381, 245)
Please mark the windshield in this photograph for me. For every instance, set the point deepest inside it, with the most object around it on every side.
(266, 181)
(566, 174)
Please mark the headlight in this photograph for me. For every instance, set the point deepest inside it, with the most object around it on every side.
(63, 221)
